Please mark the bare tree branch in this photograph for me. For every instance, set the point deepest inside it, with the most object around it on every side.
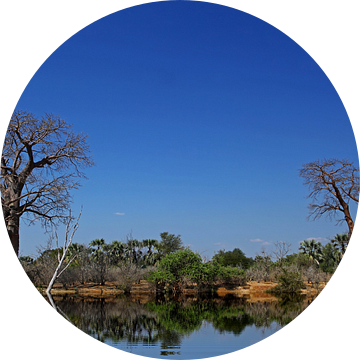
(332, 183)
(67, 242)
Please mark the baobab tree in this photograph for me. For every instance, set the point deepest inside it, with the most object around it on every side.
(333, 185)
(41, 162)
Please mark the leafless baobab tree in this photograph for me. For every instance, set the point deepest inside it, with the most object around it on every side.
(41, 163)
(333, 185)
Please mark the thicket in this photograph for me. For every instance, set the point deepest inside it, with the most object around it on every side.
(171, 267)
(124, 263)
(185, 269)
(265, 269)
(234, 258)
(289, 282)
(314, 263)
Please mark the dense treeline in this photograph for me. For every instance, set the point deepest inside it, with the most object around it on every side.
(172, 267)
(124, 262)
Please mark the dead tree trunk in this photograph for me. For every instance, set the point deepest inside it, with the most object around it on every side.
(67, 242)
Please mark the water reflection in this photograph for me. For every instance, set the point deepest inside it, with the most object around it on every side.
(130, 323)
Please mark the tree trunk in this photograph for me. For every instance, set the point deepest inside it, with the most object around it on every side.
(12, 227)
(349, 220)
(14, 238)
(52, 281)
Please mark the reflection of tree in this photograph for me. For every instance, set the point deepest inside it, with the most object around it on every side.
(116, 320)
(165, 322)
(175, 316)
(170, 339)
(232, 325)
(282, 312)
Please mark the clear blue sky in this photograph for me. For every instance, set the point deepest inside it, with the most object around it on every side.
(199, 117)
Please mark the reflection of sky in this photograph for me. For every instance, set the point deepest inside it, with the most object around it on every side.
(204, 343)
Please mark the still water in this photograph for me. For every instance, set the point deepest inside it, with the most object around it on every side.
(186, 327)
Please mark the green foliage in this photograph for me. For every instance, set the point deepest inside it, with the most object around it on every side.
(233, 258)
(170, 243)
(26, 259)
(116, 252)
(261, 259)
(184, 265)
(228, 274)
(98, 246)
(49, 255)
(313, 249)
(327, 257)
(176, 266)
(300, 260)
(331, 258)
(341, 241)
(289, 282)
(152, 255)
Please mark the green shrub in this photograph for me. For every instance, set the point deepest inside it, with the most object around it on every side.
(289, 282)
(234, 258)
(185, 267)
(173, 268)
(230, 275)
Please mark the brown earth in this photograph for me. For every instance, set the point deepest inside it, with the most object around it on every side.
(252, 290)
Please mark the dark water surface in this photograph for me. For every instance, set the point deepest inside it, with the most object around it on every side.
(186, 327)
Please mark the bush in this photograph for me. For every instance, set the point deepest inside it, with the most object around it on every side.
(128, 274)
(185, 268)
(174, 268)
(39, 271)
(228, 275)
(315, 275)
(260, 270)
(234, 258)
(69, 277)
(32, 273)
(99, 272)
(289, 282)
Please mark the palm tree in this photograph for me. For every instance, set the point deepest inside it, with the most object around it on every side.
(150, 243)
(97, 252)
(150, 257)
(98, 242)
(74, 251)
(132, 252)
(312, 248)
(341, 242)
(117, 251)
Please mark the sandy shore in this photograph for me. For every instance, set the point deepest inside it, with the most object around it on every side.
(251, 290)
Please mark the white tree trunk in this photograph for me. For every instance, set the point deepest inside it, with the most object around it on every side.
(56, 273)
(67, 243)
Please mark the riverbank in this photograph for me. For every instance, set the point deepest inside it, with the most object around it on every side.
(251, 290)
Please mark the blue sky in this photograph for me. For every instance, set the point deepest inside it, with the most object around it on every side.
(199, 117)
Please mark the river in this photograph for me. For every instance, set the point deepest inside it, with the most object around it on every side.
(186, 327)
